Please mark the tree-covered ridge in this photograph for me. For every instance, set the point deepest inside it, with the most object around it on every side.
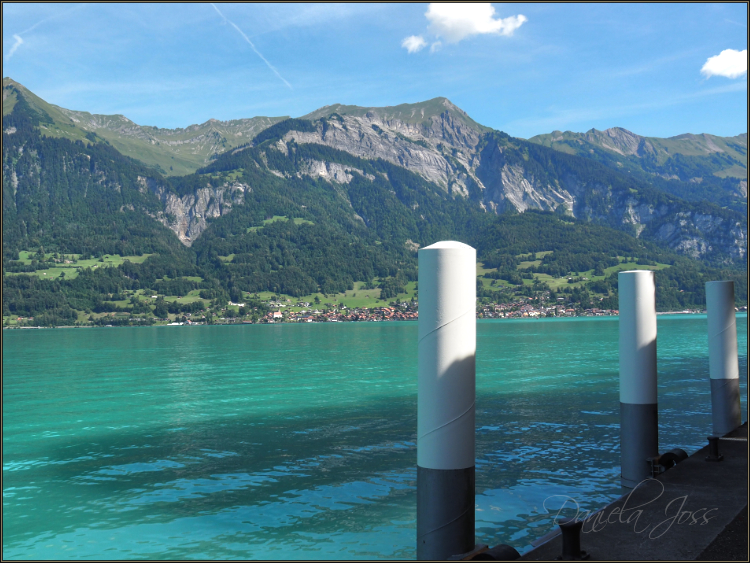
(556, 168)
(74, 196)
(693, 167)
(607, 196)
(506, 173)
(286, 258)
(359, 230)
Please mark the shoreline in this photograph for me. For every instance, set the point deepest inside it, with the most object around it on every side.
(518, 318)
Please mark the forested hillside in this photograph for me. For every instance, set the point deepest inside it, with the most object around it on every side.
(74, 196)
(92, 236)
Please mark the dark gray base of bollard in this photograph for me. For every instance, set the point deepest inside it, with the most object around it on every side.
(639, 440)
(445, 512)
(726, 412)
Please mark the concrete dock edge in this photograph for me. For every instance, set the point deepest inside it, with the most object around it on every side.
(695, 511)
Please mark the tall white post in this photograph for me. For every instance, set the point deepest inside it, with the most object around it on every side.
(639, 422)
(722, 357)
(446, 395)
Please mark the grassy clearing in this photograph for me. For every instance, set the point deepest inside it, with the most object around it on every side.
(283, 218)
(185, 299)
(353, 298)
(481, 270)
(527, 264)
(487, 283)
(630, 266)
(71, 270)
(27, 256)
(148, 298)
(232, 176)
(535, 262)
(557, 283)
(734, 171)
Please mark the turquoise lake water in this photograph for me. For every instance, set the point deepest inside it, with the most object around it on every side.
(298, 441)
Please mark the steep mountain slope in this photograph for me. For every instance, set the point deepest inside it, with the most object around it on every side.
(501, 174)
(75, 197)
(694, 167)
(172, 151)
(531, 176)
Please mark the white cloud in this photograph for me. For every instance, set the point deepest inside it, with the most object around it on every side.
(15, 46)
(729, 63)
(414, 43)
(454, 22)
(435, 46)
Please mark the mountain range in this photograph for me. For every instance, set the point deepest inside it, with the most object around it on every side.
(441, 143)
(365, 188)
(694, 167)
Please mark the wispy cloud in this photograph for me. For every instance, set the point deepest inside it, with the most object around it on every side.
(19, 39)
(14, 47)
(735, 23)
(52, 17)
(269, 65)
(728, 63)
(414, 43)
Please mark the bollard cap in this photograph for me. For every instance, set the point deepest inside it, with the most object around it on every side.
(447, 244)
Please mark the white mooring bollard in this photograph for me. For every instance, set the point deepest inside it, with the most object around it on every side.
(722, 357)
(446, 395)
(639, 423)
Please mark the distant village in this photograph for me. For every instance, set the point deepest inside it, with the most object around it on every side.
(404, 311)
(407, 311)
(281, 312)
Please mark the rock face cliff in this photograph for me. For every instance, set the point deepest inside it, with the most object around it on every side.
(331, 171)
(686, 233)
(188, 216)
(438, 144)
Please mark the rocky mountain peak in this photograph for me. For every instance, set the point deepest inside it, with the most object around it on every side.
(435, 138)
(419, 113)
(616, 139)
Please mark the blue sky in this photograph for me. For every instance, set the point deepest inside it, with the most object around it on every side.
(655, 69)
